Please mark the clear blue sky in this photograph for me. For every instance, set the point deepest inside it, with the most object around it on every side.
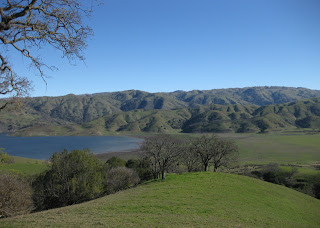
(168, 45)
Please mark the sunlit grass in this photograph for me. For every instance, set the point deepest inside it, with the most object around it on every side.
(25, 166)
(187, 200)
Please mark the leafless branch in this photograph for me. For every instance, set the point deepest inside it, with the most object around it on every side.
(39, 23)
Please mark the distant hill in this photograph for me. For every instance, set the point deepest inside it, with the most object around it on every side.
(260, 96)
(225, 110)
(204, 199)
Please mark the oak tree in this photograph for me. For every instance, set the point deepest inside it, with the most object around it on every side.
(162, 151)
(29, 25)
(215, 151)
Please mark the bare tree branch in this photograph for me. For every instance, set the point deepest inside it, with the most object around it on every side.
(25, 24)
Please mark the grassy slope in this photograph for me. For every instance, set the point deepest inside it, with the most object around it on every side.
(25, 166)
(188, 200)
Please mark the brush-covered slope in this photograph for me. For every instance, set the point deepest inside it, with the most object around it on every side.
(212, 118)
(19, 118)
(85, 108)
(187, 200)
(238, 118)
(260, 96)
(143, 120)
(193, 111)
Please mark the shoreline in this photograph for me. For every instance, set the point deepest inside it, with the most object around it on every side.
(125, 154)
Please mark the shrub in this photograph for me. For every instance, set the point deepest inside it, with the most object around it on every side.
(274, 174)
(316, 187)
(15, 196)
(115, 162)
(72, 178)
(120, 178)
(256, 173)
(142, 168)
(5, 158)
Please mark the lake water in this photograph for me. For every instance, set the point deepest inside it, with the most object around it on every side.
(44, 147)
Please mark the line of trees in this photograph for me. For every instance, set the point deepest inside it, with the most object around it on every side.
(165, 152)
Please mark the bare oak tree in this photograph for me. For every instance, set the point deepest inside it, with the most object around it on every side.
(189, 157)
(225, 153)
(204, 147)
(29, 24)
(162, 151)
(216, 151)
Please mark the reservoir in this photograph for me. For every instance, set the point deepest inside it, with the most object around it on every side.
(44, 147)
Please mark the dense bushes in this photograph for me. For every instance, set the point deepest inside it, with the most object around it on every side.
(15, 195)
(121, 178)
(78, 176)
(115, 162)
(72, 178)
(142, 168)
(274, 174)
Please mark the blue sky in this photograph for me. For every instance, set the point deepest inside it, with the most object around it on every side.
(169, 45)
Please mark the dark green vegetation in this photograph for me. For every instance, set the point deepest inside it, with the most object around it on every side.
(73, 177)
(226, 110)
(78, 176)
(188, 200)
(70, 178)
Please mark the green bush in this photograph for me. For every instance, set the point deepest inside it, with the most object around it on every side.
(115, 162)
(5, 158)
(142, 168)
(274, 174)
(73, 177)
(15, 196)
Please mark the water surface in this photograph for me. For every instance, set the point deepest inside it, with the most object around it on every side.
(44, 147)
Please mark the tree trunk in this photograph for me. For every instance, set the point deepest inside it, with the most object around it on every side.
(205, 167)
(163, 175)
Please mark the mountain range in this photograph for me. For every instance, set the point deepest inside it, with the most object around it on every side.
(249, 109)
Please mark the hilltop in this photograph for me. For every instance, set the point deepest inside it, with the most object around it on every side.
(187, 200)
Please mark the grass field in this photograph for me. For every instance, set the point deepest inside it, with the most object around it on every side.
(279, 148)
(187, 200)
(25, 166)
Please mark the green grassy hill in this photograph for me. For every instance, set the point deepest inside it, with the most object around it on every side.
(187, 200)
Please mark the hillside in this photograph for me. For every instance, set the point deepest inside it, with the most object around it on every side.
(260, 96)
(187, 200)
(213, 118)
(193, 111)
